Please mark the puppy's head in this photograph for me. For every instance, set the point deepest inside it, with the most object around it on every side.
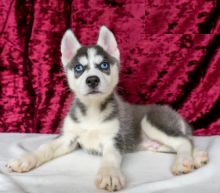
(92, 71)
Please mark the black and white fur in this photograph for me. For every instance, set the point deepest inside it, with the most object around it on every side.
(100, 122)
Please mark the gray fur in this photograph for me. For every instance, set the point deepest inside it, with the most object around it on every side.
(161, 116)
(167, 120)
(81, 106)
(73, 115)
(130, 116)
(110, 102)
(77, 104)
(107, 101)
(113, 114)
(129, 136)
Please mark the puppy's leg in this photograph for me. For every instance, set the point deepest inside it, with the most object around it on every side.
(181, 145)
(57, 147)
(44, 153)
(184, 162)
(109, 176)
(166, 126)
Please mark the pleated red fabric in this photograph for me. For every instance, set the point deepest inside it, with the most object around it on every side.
(169, 55)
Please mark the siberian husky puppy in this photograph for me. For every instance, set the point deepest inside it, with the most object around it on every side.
(100, 122)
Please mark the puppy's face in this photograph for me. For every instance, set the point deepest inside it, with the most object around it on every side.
(92, 71)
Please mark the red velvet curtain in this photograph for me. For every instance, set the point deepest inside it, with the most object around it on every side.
(169, 55)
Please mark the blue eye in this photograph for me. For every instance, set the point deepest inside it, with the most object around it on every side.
(104, 66)
(78, 68)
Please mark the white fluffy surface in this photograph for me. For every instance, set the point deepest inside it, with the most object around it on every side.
(146, 172)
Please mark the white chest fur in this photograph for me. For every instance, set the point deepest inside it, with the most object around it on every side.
(92, 132)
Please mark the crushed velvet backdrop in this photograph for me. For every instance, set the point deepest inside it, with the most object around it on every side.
(169, 54)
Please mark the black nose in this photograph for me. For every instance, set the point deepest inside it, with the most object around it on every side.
(92, 81)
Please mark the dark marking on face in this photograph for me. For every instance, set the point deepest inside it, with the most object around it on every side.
(82, 69)
(107, 57)
(106, 71)
(83, 52)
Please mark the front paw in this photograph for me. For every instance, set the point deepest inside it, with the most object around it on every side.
(23, 164)
(110, 179)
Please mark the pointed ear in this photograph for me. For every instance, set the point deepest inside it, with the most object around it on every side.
(107, 41)
(69, 47)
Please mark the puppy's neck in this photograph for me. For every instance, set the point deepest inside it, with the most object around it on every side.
(96, 101)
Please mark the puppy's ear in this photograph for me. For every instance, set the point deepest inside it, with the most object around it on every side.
(69, 47)
(107, 41)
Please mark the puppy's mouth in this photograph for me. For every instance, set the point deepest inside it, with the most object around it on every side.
(93, 92)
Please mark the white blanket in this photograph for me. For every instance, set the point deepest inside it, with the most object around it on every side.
(145, 172)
